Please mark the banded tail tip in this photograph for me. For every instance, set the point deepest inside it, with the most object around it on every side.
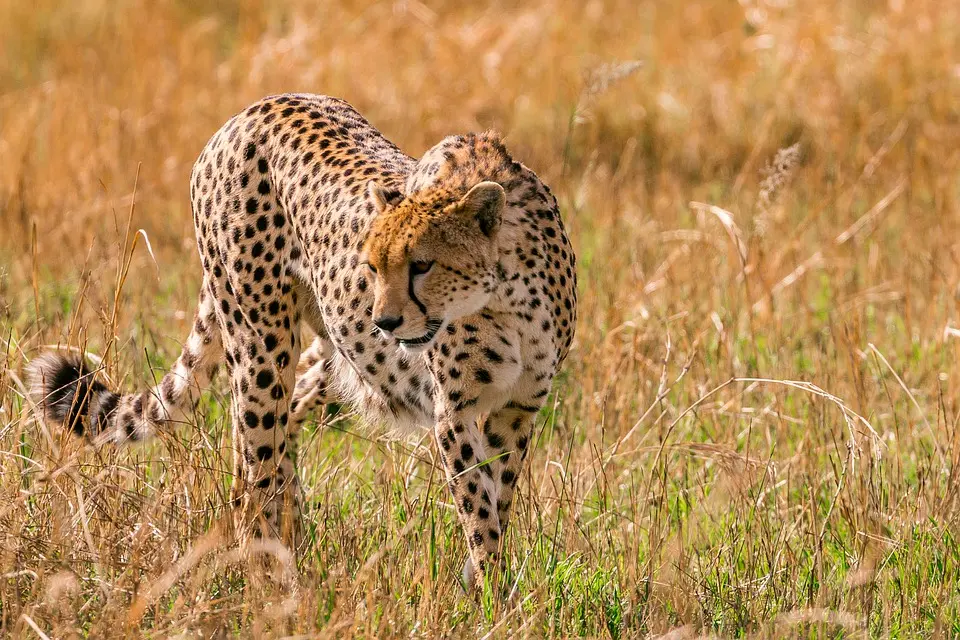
(64, 386)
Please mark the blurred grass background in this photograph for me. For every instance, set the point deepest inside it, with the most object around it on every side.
(755, 435)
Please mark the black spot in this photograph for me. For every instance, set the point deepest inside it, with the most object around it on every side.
(264, 453)
(482, 376)
(264, 379)
(492, 355)
(250, 418)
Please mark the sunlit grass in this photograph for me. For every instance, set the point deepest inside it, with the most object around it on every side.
(686, 478)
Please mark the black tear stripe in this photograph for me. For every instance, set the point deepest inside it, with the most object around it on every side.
(413, 296)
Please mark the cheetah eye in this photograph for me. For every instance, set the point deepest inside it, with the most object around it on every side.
(420, 267)
(372, 268)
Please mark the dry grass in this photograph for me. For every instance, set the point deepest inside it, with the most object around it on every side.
(680, 484)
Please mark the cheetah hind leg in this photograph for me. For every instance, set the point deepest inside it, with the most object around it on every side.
(261, 355)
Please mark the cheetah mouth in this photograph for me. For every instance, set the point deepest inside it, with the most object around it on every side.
(433, 327)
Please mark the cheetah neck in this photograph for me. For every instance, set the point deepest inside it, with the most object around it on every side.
(507, 279)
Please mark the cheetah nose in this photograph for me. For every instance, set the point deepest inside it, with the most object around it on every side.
(388, 324)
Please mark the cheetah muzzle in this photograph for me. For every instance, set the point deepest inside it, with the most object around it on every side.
(416, 345)
(441, 292)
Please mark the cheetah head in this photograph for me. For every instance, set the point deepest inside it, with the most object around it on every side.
(433, 257)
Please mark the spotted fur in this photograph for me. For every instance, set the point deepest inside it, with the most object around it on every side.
(442, 292)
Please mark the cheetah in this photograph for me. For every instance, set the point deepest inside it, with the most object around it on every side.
(442, 293)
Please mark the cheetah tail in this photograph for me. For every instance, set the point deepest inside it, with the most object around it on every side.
(70, 394)
(66, 389)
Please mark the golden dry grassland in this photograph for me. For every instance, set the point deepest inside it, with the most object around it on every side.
(757, 433)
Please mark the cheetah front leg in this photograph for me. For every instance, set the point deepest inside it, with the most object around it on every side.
(472, 487)
(313, 384)
(507, 434)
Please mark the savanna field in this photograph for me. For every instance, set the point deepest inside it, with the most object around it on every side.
(756, 433)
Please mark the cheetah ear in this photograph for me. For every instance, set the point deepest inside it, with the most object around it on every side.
(484, 203)
(382, 197)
